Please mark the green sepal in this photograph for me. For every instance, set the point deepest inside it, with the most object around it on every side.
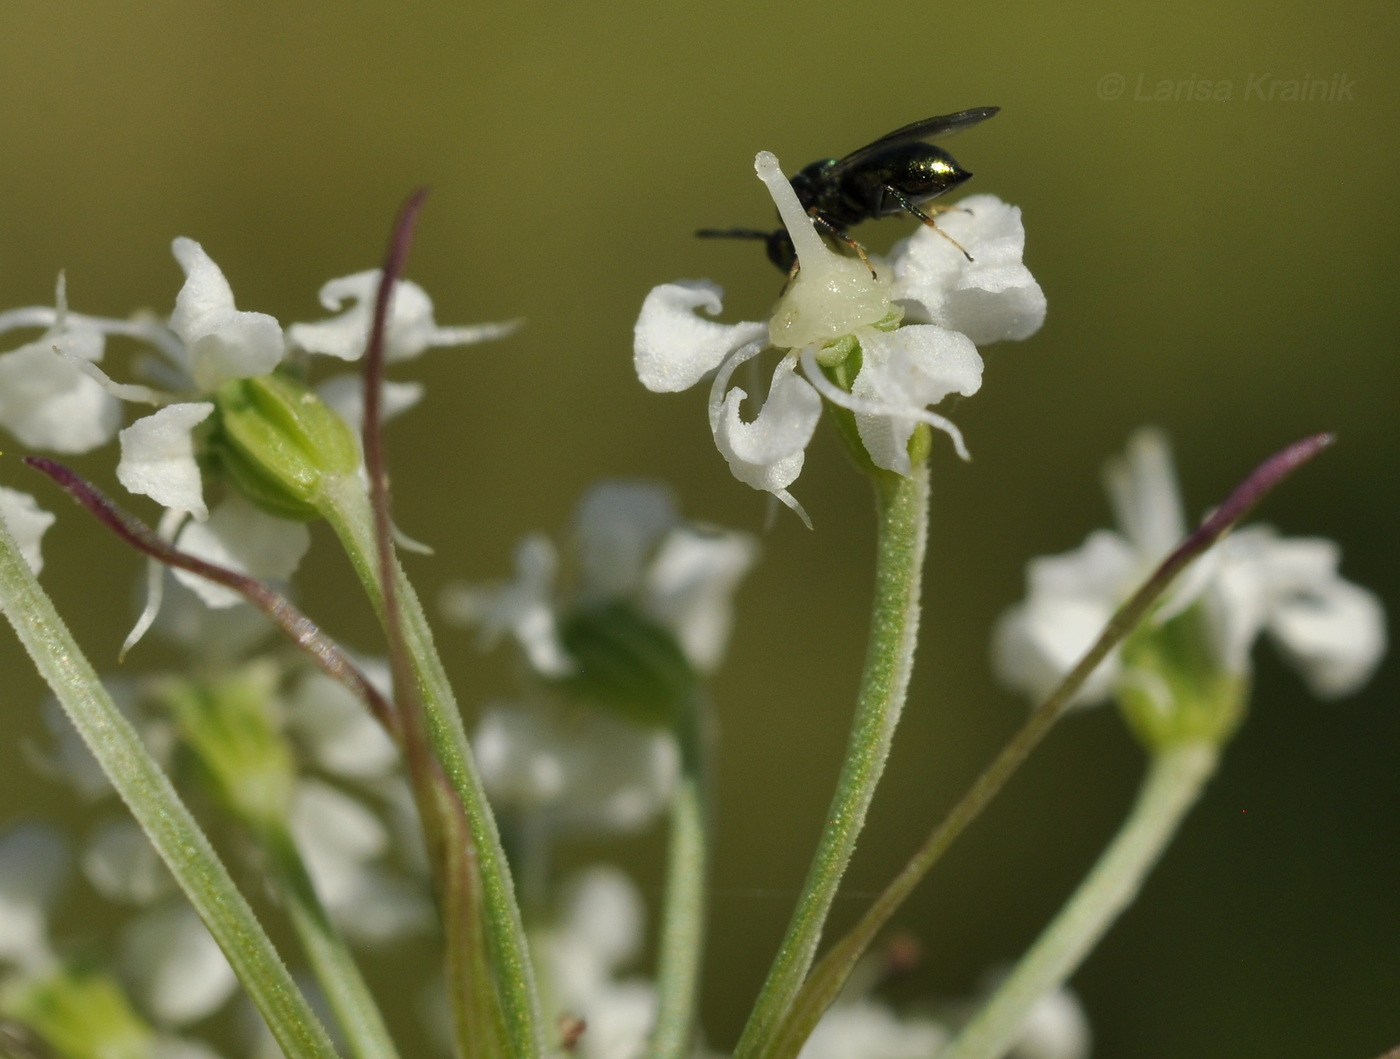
(278, 442)
(230, 724)
(1175, 689)
(627, 664)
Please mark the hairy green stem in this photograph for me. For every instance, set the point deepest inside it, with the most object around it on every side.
(329, 956)
(347, 511)
(682, 945)
(152, 799)
(1173, 783)
(902, 508)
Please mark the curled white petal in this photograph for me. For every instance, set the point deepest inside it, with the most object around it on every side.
(766, 453)
(690, 588)
(223, 342)
(990, 298)
(27, 523)
(672, 347)
(175, 967)
(411, 329)
(903, 372)
(616, 530)
(48, 402)
(158, 457)
(243, 538)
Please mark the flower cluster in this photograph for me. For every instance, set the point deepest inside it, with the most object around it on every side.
(884, 347)
(637, 594)
(1254, 581)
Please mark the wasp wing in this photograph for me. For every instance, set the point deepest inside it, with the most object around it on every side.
(917, 132)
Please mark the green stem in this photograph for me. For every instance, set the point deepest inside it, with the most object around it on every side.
(902, 509)
(329, 956)
(1175, 780)
(152, 799)
(683, 918)
(347, 510)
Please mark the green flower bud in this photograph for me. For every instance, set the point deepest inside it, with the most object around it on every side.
(1175, 688)
(627, 664)
(278, 442)
(80, 1015)
(230, 723)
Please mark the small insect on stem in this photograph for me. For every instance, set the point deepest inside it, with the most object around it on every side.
(898, 173)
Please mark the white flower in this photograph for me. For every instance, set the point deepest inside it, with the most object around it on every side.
(572, 768)
(628, 543)
(951, 304)
(1055, 1028)
(244, 539)
(411, 328)
(867, 1029)
(598, 932)
(1252, 582)
(174, 967)
(27, 523)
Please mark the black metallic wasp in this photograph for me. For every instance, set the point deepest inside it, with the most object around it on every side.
(898, 172)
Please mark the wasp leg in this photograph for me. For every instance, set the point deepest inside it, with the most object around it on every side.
(903, 200)
(837, 234)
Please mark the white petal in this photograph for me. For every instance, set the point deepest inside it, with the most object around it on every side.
(523, 607)
(672, 347)
(158, 457)
(123, 866)
(990, 298)
(338, 731)
(1334, 634)
(906, 371)
(245, 539)
(690, 588)
(1070, 598)
(411, 329)
(616, 530)
(1055, 1028)
(1146, 502)
(215, 636)
(337, 836)
(27, 523)
(175, 967)
(34, 865)
(47, 402)
(346, 394)
(864, 1029)
(768, 452)
(603, 909)
(223, 343)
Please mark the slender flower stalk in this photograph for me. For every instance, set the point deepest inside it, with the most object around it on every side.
(1172, 785)
(902, 509)
(461, 828)
(158, 809)
(683, 916)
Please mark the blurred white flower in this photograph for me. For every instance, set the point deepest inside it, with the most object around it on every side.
(174, 967)
(1055, 1028)
(628, 543)
(27, 523)
(34, 867)
(868, 1029)
(830, 305)
(1252, 582)
(596, 935)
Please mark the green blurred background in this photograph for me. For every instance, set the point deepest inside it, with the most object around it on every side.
(1223, 269)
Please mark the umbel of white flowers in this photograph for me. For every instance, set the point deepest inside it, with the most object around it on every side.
(1253, 582)
(885, 347)
(630, 567)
